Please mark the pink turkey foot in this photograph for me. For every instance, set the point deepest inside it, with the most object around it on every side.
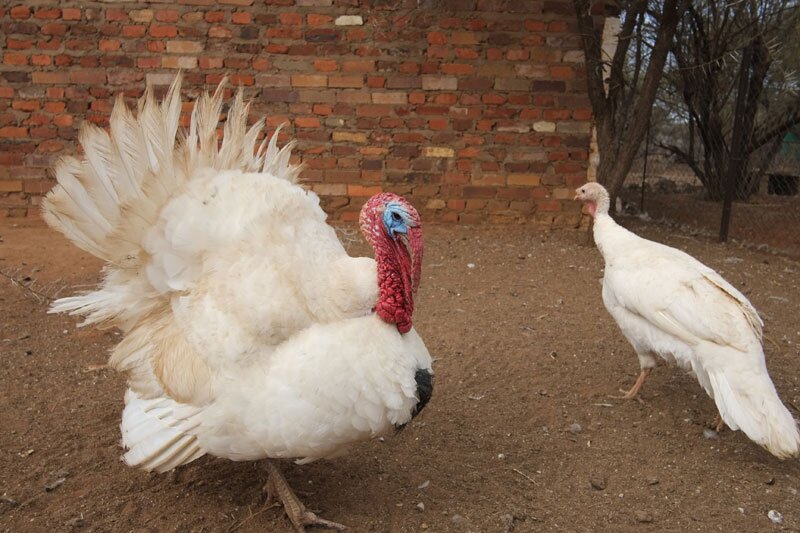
(632, 394)
(301, 518)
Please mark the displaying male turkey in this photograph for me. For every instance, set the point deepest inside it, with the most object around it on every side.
(248, 331)
(672, 306)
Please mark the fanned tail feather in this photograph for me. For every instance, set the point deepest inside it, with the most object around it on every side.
(107, 202)
(156, 434)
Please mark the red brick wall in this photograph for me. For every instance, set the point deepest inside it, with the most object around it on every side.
(474, 109)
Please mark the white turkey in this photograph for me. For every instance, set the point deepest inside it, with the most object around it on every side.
(249, 332)
(670, 305)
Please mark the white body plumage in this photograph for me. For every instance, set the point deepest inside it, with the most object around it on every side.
(670, 305)
(249, 331)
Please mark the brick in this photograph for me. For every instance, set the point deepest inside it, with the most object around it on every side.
(87, 77)
(26, 105)
(17, 44)
(54, 28)
(362, 191)
(373, 110)
(562, 72)
(330, 189)
(108, 45)
(184, 47)
(436, 37)
(544, 127)
(13, 132)
(219, 32)
(466, 53)
(309, 80)
(460, 69)
(517, 55)
(273, 80)
(168, 15)
(439, 83)
(15, 59)
(47, 14)
(528, 180)
(50, 77)
(290, 19)
(9, 185)
(210, 62)
(161, 31)
(553, 86)
(403, 82)
(574, 127)
(478, 191)
(133, 31)
(358, 66)
(144, 16)
(315, 19)
(437, 151)
(116, 14)
(389, 98)
(349, 20)
(326, 65)
(71, 13)
(511, 84)
(180, 62)
(307, 122)
(346, 136)
(351, 81)
(20, 12)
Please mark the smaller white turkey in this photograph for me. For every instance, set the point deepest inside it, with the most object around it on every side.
(670, 305)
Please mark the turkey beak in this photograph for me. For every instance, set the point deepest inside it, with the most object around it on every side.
(577, 196)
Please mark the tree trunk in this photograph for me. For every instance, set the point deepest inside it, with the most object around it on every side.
(620, 130)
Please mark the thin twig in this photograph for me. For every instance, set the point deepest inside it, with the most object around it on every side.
(775, 344)
(523, 474)
(27, 283)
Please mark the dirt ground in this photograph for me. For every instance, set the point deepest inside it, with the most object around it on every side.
(521, 434)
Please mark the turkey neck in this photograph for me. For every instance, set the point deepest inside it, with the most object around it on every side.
(395, 294)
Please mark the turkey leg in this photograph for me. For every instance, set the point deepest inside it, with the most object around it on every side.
(638, 385)
(278, 488)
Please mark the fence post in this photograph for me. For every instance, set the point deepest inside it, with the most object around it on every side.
(737, 142)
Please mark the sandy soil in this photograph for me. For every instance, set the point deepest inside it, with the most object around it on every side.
(521, 433)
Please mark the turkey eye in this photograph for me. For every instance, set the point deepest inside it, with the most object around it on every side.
(396, 216)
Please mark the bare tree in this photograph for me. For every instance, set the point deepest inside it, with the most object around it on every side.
(737, 90)
(623, 111)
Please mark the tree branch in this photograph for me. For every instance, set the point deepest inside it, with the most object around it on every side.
(617, 75)
(763, 135)
(635, 129)
(686, 158)
(592, 49)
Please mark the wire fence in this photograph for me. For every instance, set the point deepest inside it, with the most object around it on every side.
(765, 213)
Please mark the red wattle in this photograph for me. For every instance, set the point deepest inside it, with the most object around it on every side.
(395, 297)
